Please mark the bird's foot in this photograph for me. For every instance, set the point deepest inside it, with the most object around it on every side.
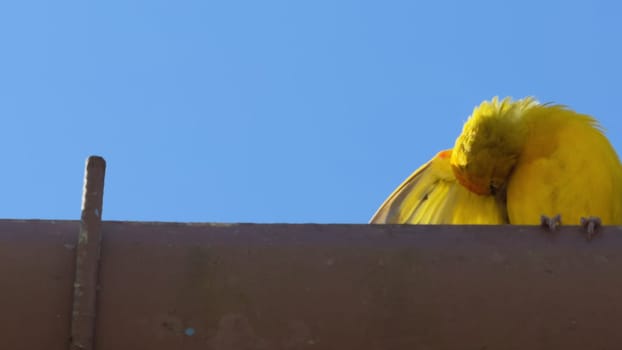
(591, 225)
(551, 223)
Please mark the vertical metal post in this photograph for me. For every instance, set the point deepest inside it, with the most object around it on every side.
(87, 256)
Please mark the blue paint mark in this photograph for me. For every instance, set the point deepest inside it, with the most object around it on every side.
(189, 332)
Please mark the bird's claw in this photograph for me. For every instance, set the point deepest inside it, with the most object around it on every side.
(591, 225)
(551, 223)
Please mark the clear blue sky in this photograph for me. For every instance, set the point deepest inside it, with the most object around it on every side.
(273, 111)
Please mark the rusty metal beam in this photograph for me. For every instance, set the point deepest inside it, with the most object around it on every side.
(37, 267)
(202, 286)
(219, 287)
(286, 287)
(87, 256)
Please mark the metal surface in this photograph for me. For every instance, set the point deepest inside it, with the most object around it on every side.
(219, 287)
(293, 287)
(37, 269)
(178, 286)
(87, 256)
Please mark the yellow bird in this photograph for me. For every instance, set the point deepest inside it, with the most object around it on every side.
(517, 162)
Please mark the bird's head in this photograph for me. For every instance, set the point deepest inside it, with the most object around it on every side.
(489, 146)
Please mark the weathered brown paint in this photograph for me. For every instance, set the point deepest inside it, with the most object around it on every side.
(202, 286)
(87, 256)
(37, 268)
(358, 287)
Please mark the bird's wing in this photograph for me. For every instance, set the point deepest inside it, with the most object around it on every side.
(432, 195)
